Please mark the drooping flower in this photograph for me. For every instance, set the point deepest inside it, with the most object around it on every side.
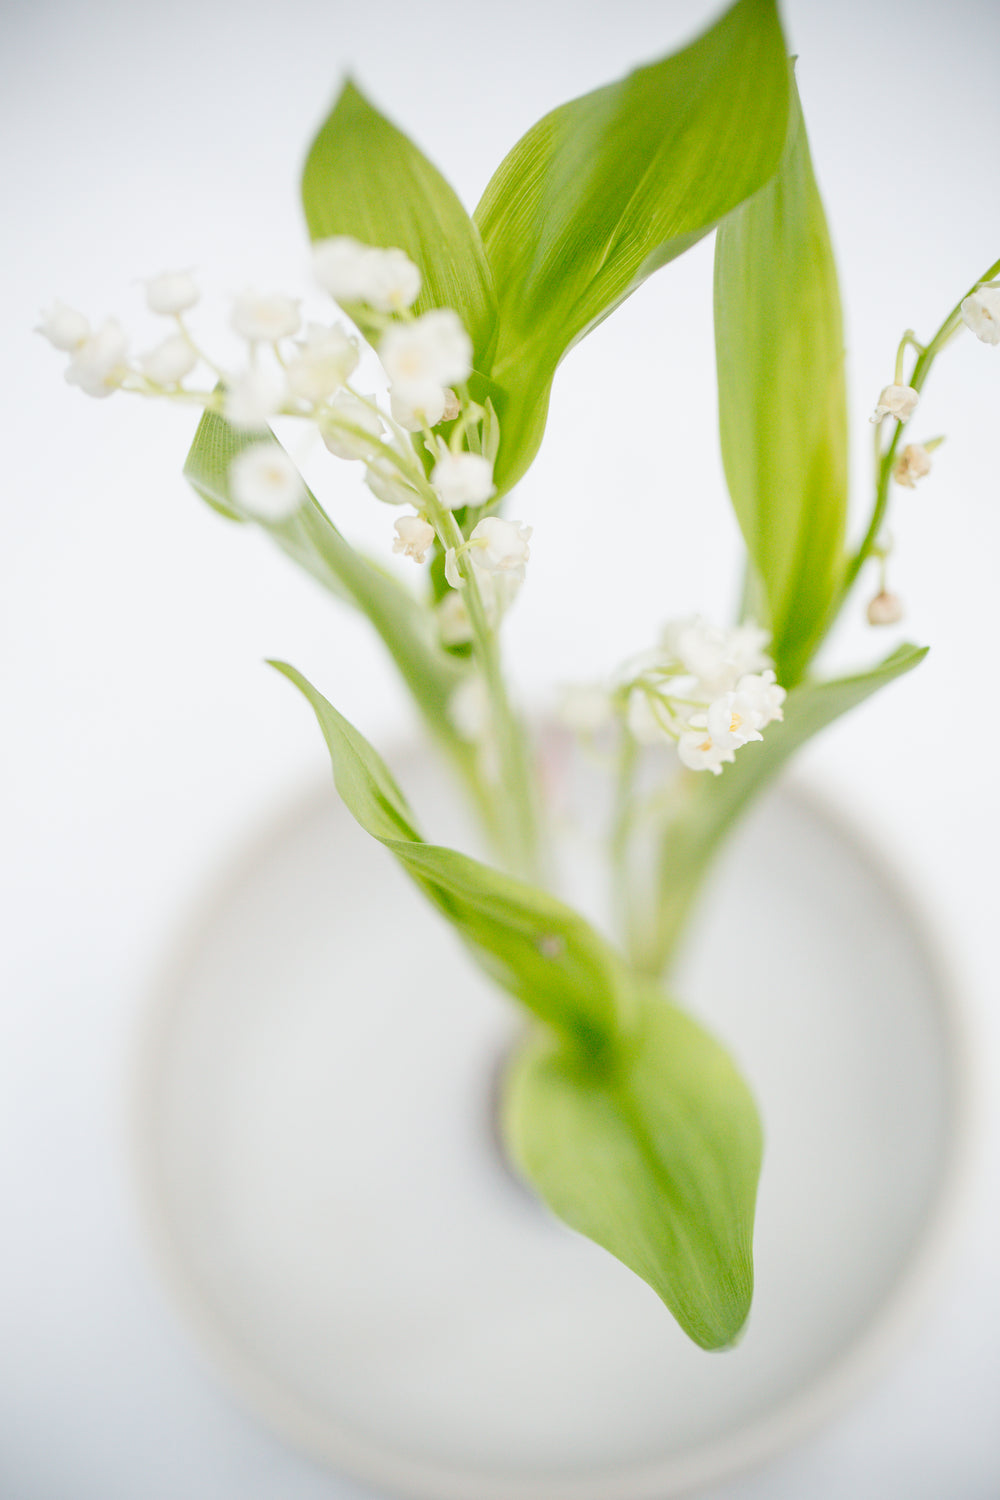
(912, 464)
(264, 319)
(426, 409)
(171, 292)
(462, 479)
(499, 546)
(732, 721)
(170, 361)
(388, 485)
(763, 696)
(64, 327)
(98, 364)
(352, 272)
(717, 658)
(981, 312)
(346, 407)
(885, 609)
(699, 751)
(393, 281)
(414, 536)
(253, 398)
(897, 401)
(325, 360)
(264, 482)
(432, 352)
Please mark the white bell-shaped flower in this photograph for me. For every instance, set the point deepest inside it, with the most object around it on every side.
(732, 721)
(981, 312)
(433, 350)
(253, 398)
(499, 546)
(64, 327)
(98, 366)
(264, 319)
(762, 696)
(325, 360)
(421, 407)
(699, 751)
(265, 483)
(912, 464)
(170, 361)
(388, 485)
(462, 479)
(717, 658)
(344, 442)
(171, 292)
(414, 536)
(897, 401)
(352, 272)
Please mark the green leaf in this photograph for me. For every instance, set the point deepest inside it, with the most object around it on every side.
(538, 949)
(782, 400)
(631, 1120)
(655, 1156)
(311, 539)
(363, 177)
(604, 190)
(714, 803)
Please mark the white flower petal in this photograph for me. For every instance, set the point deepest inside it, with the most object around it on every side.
(170, 361)
(171, 292)
(264, 482)
(64, 327)
(462, 479)
(264, 319)
(981, 312)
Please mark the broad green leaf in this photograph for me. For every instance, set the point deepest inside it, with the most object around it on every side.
(713, 804)
(604, 190)
(655, 1155)
(631, 1121)
(364, 178)
(782, 403)
(541, 951)
(311, 539)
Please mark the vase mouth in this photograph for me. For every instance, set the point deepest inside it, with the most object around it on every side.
(165, 1074)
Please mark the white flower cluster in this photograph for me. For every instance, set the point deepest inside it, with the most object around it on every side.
(705, 689)
(306, 372)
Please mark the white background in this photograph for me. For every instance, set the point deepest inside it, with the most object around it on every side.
(143, 739)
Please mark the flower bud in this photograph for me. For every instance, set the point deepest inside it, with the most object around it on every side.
(885, 609)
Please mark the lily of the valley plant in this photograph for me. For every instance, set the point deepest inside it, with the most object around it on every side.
(629, 1119)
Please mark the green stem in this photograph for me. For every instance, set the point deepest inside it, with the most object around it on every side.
(884, 467)
(519, 813)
